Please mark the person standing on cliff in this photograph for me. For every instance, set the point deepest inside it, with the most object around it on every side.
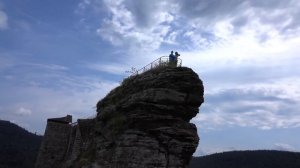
(176, 58)
(171, 59)
(171, 56)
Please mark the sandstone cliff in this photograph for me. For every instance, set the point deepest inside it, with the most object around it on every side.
(142, 123)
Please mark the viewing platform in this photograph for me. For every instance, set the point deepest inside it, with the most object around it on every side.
(163, 61)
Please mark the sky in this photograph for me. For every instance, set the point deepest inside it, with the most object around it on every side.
(61, 57)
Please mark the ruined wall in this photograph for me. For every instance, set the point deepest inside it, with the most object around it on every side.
(55, 143)
(80, 140)
(70, 154)
(63, 142)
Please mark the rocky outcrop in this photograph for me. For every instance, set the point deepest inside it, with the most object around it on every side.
(142, 123)
(145, 121)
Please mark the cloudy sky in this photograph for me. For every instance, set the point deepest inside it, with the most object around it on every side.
(61, 57)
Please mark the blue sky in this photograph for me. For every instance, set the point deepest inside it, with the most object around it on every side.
(61, 57)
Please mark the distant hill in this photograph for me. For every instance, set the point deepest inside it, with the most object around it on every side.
(18, 147)
(248, 159)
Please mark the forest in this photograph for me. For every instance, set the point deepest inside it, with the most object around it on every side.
(18, 147)
(248, 159)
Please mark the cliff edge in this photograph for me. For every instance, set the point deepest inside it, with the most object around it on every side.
(142, 123)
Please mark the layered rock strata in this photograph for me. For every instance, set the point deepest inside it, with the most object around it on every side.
(145, 122)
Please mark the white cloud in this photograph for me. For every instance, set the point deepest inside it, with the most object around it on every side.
(24, 111)
(265, 107)
(283, 147)
(118, 69)
(211, 34)
(244, 61)
(77, 100)
(139, 26)
(53, 67)
(3, 20)
(40, 91)
(194, 25)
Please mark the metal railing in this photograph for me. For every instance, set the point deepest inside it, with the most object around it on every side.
(162, 61)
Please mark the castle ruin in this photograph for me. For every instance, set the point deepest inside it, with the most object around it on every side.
(63, 141)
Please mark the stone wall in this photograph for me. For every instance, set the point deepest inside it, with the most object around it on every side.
(54, 145)
(63, 142)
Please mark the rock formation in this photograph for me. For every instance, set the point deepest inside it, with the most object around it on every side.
(142, 123)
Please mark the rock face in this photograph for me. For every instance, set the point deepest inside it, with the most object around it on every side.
(145, 121)
(142, 123)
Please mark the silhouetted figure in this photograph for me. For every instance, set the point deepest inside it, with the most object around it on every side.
(171, 56)
(176, 58)
(172, 59)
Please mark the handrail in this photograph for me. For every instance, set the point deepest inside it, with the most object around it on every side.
(162, 61)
